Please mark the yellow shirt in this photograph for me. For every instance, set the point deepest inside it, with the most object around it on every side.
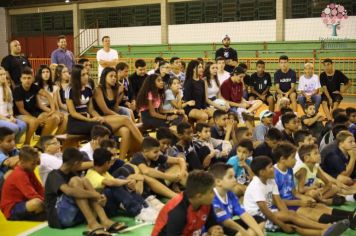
(96, 179)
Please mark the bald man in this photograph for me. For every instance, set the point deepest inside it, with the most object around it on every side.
(14, 63)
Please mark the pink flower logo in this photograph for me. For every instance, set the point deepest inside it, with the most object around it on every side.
(332, 15)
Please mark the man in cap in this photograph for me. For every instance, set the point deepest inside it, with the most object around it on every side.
(228, 53)
(266, 123)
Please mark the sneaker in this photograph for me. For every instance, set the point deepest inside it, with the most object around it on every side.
(353, 220)
(147, 215)
(338, 200)
(153, 202)
(338, 228)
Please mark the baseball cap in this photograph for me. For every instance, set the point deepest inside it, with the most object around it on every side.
(265, 113)
(226, 37)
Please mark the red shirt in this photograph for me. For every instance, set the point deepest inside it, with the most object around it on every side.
(178, 218)
(231, 91)
(19, 186)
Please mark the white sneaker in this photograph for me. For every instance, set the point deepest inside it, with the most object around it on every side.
(147, 215)
(154, 203)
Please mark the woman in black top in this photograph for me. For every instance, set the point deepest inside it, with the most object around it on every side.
(106, 100)
(194, 89)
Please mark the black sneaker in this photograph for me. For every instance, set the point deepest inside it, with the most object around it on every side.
(338, 228)
(353, 220)
(338, 200)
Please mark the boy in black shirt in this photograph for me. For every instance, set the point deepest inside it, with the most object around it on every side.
(285, 80)
(259, 85)
(312, 121)
(272, 138)
(222, 127)
(26, 109)
(334, 84)
(137, 78)
(71, 200)
(228, 53)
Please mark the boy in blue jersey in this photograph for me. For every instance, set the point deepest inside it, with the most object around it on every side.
(226, 205)
(303, 205)
(241, 165)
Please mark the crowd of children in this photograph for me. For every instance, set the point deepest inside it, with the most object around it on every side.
(202, 151)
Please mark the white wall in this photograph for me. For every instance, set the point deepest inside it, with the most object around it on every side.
(3, 42)
(244, 31)
(132, 35)
(314, 29)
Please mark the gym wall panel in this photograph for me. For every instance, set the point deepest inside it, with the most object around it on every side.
(244, 31)
(315, 29)
(3, 41)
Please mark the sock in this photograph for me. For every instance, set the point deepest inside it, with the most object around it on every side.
(338, 212)
(326, 219)
(350, 198)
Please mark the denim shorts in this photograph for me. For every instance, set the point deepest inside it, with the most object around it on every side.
(68, 212)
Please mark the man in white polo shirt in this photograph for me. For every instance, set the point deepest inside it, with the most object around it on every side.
(106, 56)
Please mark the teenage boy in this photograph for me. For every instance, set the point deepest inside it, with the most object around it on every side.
(71, 200)
(334, 84)
(272, 138)
(222, 128)
(136, 79)
(303, 205)
(226, 205)
(25, 101)
(312, 120)
(285, 80)
(153, 165)
(97, 134)
(232, 91)
(308, 88)
(22, 193)
(106, 57)
(176, 69)
(260, 84)
(262, 128)
(262, 198)
(189, 211)
(155, 65)
(125, 90)
(8, 153)
(291, 125)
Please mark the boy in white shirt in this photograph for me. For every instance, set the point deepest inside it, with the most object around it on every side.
(262, 198)
(308, 88)
(97, 134)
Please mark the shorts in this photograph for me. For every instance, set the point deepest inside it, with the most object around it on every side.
(334, 97)
(269, 226)
(256, 97)
(68, 212)
(19, 212)
(232, 232)
(276, 95)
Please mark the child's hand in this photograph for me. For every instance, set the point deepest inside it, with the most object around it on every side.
(131, 184)
(308, 203)
(11, 161)
(230, 124)
(191, 103)
(102, 200)
(174, 177)
(287, 228)
(224, 153)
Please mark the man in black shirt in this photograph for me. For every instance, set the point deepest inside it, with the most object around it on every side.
(228, 53)
(136, 80)
(71, 200)
(14, 63)
(334, 84)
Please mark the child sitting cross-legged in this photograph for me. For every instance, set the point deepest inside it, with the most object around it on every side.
(262, 198)
(22, 193)
(302, 204)
(226, 205)
(241, 165)
(215, 150)
(8, 152)
(309, 174)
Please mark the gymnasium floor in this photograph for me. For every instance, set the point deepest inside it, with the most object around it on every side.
(8, 228)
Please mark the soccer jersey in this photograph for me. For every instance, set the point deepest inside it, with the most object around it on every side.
(224, 210)
(285, 182)
(240, 172)
(310, 177)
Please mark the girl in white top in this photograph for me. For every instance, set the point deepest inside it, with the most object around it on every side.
(222, 73)
(61, 79)
(7, 118)
(212, 86)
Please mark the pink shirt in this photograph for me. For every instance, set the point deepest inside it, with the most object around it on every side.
(156, 102)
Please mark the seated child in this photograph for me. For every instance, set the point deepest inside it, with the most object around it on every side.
(117, 189)
(189, 211)
(351, 114)
(51, 157)
(241, 165)
(241, 133)
(312, 120)
(97, 134)
(216, 150)
(266, 123)
(303, 205)
(226, 205)
(153, 165)
(71, 200)
(273, 136)
(222, 127)
(262, 198)
(8, 153)
(311, 181)
(22, 193)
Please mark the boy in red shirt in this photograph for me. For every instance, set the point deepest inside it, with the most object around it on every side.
(189, 212)
(22, 193)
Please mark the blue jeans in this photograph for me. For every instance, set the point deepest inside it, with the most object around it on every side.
(123, 111)
(19, 127)
(316, 99)
(68, 212)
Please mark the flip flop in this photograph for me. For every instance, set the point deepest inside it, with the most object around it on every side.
(116, 227)
(93, 232)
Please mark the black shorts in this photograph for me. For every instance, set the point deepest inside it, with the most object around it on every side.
(336, 97)
(232, 232)
(257, 98)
